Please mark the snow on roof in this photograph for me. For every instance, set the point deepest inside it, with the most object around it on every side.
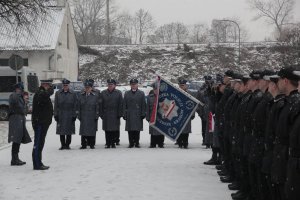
(42, 34)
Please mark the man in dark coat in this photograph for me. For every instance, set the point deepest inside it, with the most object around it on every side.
(292, 185)
(183, 139)
(65, 103)
(42, 112)
(156, 138)
(287, 84)
(256, 150)
(134, 112)
(88, 114)
(273, 110)
(111, 109)
(17, 132)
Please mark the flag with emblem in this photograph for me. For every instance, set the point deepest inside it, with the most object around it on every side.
(172, 109)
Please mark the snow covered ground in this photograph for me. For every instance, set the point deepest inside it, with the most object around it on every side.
(121, 173)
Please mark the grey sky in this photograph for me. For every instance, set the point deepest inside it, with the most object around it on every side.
(193, 11)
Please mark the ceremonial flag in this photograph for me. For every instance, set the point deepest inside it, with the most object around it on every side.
(172, 109)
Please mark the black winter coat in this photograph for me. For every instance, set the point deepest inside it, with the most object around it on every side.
(42, 108)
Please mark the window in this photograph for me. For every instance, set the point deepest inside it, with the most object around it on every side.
(7, 83)
(32, 83)
(4, 62)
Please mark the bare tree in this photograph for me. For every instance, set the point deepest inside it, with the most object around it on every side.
(161, 34)
(180, 31)
(291, 35)
(89, 18)
(143, 24)
(22, 12)
(199, 33)
(277, 12)
(226, 31)
(125, 27)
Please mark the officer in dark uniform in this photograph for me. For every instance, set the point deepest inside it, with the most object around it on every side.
(134, 112)
(229, 176)
(273, 109)
(111, 109)
(287, 84)
(42, 112)
(88, 114)
(256, 151)
(17, 132)
(156, 138)
(292, 187)
(234, 172)
(237, 140)
(220, 111)
(183, 139)
(65, 106)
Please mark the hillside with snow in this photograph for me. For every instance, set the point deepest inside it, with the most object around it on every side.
(123, 62)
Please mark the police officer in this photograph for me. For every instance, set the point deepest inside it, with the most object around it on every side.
(65, 103)
(134, 112)
(156, 138)
(111, 109)
(292, 185)
(42, 112)
(183, 139)
(273, 109)
(88, 114)
(287, 84)
(17, 132)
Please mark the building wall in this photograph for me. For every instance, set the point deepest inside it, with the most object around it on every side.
(37, 60)
(54, 64)
(67, 49)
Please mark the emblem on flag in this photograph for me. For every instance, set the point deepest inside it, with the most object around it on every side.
(172, 109)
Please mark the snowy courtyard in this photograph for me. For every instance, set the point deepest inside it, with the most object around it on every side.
(167, 174)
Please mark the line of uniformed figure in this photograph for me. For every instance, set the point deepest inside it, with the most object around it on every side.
(87, 107)
(256, 138)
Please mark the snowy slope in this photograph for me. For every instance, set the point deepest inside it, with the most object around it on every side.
(124, 62)
(110, 174)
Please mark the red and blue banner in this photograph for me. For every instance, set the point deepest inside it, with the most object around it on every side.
(172, 109)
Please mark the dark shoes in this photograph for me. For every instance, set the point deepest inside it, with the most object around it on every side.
(92, 147)
(239, 195)
(219, 167)
(82, 147)
(42, 167)
(234, 186)
(107, 146)
(113, 146)
(152, 146)
(226, 179)
(212, 161)
(222, 173)
(118, 143)
(131, 146)
(137, 146)
(15, 161)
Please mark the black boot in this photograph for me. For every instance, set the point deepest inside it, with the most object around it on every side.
(15, 161)
(212, 161)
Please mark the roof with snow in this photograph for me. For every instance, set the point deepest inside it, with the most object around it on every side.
(42, 34)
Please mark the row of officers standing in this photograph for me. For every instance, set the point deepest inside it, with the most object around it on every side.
(256, 138)
(87, 107)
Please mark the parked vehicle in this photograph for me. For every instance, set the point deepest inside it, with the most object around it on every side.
(194, 86)
(8, 78)
(77, 86)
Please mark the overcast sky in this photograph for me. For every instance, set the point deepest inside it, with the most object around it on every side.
(194, 11)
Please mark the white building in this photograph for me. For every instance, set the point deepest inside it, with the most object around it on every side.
(48, 46)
